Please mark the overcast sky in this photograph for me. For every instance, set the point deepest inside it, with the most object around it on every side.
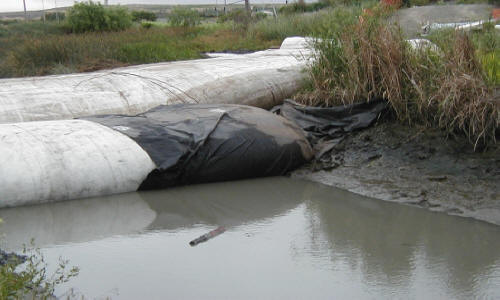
(17, 5)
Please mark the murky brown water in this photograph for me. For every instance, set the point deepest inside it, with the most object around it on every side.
(285, 239)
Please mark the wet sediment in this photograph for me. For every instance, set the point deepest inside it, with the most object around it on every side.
(416, 166)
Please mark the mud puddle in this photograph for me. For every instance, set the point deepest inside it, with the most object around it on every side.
(284, 238)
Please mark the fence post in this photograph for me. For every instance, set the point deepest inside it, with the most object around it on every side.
(25, 15)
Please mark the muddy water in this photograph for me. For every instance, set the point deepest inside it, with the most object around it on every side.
(285, 239)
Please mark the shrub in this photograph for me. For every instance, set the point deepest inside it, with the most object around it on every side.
(55, 16)
(184, 17)
(90, 16)
(301, 6)
(26, 276)
(146, 25)
(260, 16)
(142, 15)
(238, 16)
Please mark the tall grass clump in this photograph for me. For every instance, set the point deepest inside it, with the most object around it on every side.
(185, 17)
(320, 24)
(370, 59)
(300, 7)
(90, 16)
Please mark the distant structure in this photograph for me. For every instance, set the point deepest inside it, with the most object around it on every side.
(105, 2)
(25, 15)
(247, 8)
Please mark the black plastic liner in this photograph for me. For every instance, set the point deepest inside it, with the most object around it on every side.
(326, 127)
(192, 143)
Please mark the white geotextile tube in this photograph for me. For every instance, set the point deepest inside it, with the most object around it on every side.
(67, 159)
(260, 79)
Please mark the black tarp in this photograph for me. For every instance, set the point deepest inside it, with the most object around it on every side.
(196, 143)
(326, 127)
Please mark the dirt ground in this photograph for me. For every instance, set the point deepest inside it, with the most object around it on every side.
(419, 167)
(412, 19)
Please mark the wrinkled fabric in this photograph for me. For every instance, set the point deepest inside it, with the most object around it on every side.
(209, 143)
(326, 127)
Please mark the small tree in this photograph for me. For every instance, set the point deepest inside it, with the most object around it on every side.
(90, 16)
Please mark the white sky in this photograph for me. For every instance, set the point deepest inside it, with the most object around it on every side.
(17, 5)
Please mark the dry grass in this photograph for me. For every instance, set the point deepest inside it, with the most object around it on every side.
(372, 60)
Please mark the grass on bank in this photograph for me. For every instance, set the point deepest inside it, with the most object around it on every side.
(65, 53)
(361, 58)
(452, 88)
(36, 48)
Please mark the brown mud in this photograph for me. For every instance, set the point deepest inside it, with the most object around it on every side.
(416, 166)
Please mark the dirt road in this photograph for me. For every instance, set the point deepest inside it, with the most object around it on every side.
(412, 19)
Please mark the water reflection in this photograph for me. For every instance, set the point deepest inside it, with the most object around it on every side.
(386, 241)
(74, 221)
(289, 238)
(226, 204)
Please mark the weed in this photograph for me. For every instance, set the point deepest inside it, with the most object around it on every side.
(370, 59)
(23, 277)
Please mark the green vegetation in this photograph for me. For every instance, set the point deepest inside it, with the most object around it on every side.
(64, 53)
(238, 16)
(27, 277)
(142, 15)
(320, 24)
(55, 16)
(448, 88)
(301, 7)
(90, 16)
(184, 17)
(359, 57)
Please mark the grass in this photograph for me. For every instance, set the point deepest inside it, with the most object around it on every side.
(321, 24)
(36, 48)
(360, 58)
(452, 89)
(52, 53)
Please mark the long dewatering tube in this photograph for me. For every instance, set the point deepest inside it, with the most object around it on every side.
(260, 79)
(67, 159)
(45, 161)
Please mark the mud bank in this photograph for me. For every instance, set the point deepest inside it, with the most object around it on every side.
(417, 167)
